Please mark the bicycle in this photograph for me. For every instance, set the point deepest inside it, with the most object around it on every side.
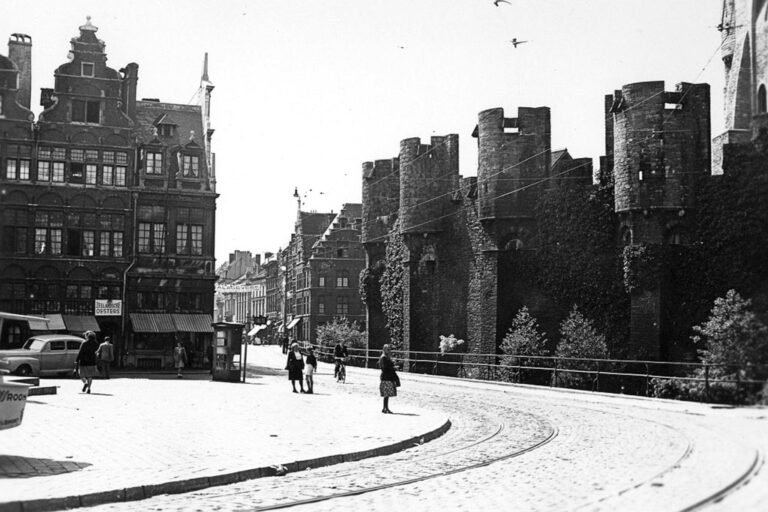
(341, 371)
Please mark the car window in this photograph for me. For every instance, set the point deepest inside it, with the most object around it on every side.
(57, 345)
(73, 345)
(34, 344)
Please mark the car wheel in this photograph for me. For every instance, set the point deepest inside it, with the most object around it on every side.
(24, 370)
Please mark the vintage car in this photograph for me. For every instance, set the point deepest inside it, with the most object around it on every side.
(45, 354)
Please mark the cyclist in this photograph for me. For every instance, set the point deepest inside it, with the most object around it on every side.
(339, 356)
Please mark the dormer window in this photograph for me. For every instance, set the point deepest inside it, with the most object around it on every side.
(166, 130)
(86, 111)
(190, 166)
(86, 68)
(153, 162)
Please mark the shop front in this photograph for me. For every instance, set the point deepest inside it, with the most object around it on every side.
(153, 336)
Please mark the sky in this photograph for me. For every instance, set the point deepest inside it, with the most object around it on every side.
(306, 91)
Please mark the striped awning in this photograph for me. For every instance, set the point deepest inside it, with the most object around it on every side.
(293, 323)
(255, 330)
(80, 324)
(193, 323)
(152, 322)
(55, 323)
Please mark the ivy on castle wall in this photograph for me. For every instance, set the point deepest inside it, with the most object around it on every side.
(392, 282)
(578, 262)
(370, 284)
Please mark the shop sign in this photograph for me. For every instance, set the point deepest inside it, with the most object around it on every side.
(13, 398)
(108, 308)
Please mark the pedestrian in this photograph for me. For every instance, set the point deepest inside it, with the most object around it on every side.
(209, 355)
(86, 360)
(339, 356)
(179, 358)
(309, 369)
(295, 365)
(389, 381)
(284, 344)
(106, 354)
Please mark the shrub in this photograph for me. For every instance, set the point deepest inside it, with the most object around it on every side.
(523, 339)
(579, 339)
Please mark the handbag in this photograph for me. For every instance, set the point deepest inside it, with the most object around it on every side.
(397, 381)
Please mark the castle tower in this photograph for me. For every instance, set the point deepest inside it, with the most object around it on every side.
(429, 178)
(514, 161)
(381, 202)
(661, 151)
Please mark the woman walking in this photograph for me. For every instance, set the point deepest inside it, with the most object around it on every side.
(179, 358)
(295, 367)
(86, 360)
(389, 379)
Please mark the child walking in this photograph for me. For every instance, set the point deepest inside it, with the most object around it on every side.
(310, 365)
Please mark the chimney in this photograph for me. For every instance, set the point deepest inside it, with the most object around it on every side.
(20, 52)
(128, 89)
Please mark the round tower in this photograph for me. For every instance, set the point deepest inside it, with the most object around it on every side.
(381, 198)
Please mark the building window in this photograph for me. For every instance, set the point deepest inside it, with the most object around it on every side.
(321, 305)
(166, 130)
(14, 231)
(150, 300)
(152, 237)
(17, 169)
(762, 101)
(342, 280)
(107, 175)
(153, 163)
(321, 281)
(86, 68)
(48, 233)
(86, 111)
(190, 166)
(342, 306)
(90, 173)
(111, 235)
(43, 171)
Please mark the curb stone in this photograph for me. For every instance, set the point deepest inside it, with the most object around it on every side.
(195, 484)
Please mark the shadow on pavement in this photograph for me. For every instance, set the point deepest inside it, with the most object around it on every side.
(15, 466)
(404, 414)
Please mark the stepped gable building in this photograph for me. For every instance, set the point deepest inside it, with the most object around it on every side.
(108, 205)
(323, 262)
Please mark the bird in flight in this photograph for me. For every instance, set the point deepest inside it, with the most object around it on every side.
(497, 2)
(515, 42)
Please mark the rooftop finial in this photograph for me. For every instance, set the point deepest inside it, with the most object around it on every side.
(88, 25)
(204, 78)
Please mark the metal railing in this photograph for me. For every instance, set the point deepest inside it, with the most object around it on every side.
(630, 376)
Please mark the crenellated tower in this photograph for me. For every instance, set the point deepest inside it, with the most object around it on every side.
(381, 202)
(661, 150)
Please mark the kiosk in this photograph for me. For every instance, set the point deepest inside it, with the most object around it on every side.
(227, 343)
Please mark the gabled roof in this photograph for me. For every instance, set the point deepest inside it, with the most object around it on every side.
(561, 154)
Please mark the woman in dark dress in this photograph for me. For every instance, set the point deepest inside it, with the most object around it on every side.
(389, 379)
(295, 367)
(86, 360)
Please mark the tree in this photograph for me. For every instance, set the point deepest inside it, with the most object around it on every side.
(579, 339)
(734, 336)
(338, 329)
(523, 339)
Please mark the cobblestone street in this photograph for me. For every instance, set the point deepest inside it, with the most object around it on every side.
(527, 448)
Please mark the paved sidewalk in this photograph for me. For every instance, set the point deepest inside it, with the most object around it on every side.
(135, 437)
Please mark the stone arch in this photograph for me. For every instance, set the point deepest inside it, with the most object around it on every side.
(52, 135)
(83, 201)
(675, 234)
(13, 272)
(518, 238)
(50, 199)
(116, 140)
(110, 273)
(80, 274)
(115, 202)
(47, 272)
(625, 235)
(762, 101)
(16, 197)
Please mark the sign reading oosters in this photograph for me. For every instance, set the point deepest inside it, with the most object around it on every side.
(108, 308)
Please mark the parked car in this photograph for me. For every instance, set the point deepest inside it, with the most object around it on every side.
(45, 354)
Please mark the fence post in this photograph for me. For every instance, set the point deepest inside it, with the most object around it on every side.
(706, 381)
(597, 375)
(647, 379)
(554, 375)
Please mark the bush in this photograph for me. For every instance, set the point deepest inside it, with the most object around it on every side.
(328, 335)
(523, 339)
(579, 339)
